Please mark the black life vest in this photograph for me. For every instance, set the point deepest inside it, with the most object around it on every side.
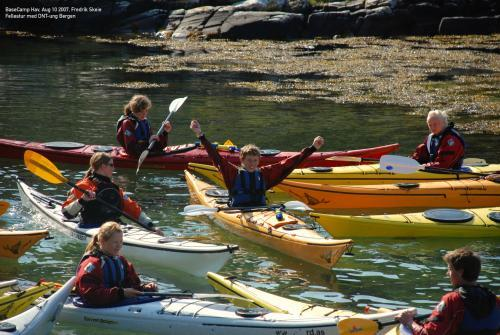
(249, 189)
(95, 213)
(434, 142)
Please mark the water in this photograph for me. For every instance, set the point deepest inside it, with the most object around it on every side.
(69, 90)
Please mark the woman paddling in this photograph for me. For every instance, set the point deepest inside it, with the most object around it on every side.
(468, 309)
(97, 182)
(104, 277)
(248, 183)
(133, 130)
(444, 147)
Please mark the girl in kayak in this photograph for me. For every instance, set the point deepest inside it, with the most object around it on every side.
(103, 276)
(97, 182)
(444, 147)
(468, 309)
(133, 130)
(247, 184)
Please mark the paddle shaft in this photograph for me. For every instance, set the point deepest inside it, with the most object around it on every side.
(393, 322)
(116, 209)
(449, 171)
(152, 143)
(188, 295)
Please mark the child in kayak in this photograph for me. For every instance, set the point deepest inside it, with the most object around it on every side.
(444, 147)
(468, 309)
(104, 277)
(97, 182)
(133, 130)
(247, 184)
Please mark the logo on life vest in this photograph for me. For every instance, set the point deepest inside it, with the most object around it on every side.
(89, 268)
(451, 142)
(128, 133)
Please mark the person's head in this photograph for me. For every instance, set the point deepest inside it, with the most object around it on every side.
(250, 157)
(464, 266)
(109, 239)
(101, 163)
(139, 105)
(437, 121)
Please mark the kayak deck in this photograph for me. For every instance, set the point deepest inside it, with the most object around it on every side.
(13, 244)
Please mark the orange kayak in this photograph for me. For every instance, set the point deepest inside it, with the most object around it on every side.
(13, 244)
(467, 193)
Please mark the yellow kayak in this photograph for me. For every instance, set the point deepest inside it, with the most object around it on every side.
(13, 244)
(481, 222)
(288, 235)
(278, 304)
(17, 301)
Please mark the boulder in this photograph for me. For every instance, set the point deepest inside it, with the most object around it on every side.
(427, 17)
(262, 25)
(461, 25)
(213, 25)
(261, 5)
(328, 24)
(350, 5)
(383, 21)
(193, 22)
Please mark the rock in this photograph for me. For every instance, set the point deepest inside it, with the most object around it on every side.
(147, 22)
(262, 25)
(261, 5)
(351, 5)
(193, 22)
(383, 21)
(298, 6)
(380, 3)
(328, 24)
(427, 17)
(213, 25)
(461, 25)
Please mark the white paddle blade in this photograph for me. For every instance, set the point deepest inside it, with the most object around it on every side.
(399, 164)
(196, 210)
(176, 104)
(297, 206)
(475, 162)
(142, 157)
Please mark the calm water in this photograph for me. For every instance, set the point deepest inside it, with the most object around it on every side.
(66, 90)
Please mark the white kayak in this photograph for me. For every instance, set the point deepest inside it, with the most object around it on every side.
(192, 316)
(190, 257)
(39, 319)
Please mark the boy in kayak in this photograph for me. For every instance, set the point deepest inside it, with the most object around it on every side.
(104, 277)
(468, 309)
(97, 182)
(247, 184)
(133, 130)
(444, 147)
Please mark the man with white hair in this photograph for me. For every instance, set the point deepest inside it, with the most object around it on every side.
(444, 147)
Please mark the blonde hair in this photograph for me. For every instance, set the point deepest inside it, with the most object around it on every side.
(249, 149)
(105, 232)
(436, 113)
(137, 104)
(97, 160)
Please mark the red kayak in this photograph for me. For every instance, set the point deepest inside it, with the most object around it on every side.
(175, 158)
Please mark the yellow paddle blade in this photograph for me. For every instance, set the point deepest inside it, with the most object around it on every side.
(228, 142)
(43, 168)
(4, 206)
(357, 326)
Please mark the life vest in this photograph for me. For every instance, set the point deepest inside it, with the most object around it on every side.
(142, 130)
(114, 271)
(94, 213)
(249, 189)
(434, 142)
(481, 316)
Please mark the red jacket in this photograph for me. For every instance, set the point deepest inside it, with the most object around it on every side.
(273, 174)
(126, 137)
(90, 282)
(450, 151)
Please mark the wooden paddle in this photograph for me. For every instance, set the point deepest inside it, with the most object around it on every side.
(174, 107)
(45, 169)
(354, 159)
(4, 206)
(400, 164)
(360, 326)
(196, 210)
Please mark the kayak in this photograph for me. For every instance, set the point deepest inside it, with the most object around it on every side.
(470, 223)
(8, 285)
(175, 157)
(15, 300)
(192, 316)
(187, 256)
(289, 235)
(14, 243)
(467, 193)
(275, 303)
(40, 319)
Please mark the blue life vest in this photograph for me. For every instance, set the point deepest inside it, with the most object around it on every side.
(142, 127)
(486, 322)
(249, 189)
(113, 271)
(434, 142)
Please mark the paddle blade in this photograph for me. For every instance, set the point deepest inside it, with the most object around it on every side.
(399, 164)
(357, 326)
(297, 206)
(176, 104)
(196, 210)
(474, 162)
(229, 143)
(142, 157)
(344, 159)
(43, 168)
(4, 206)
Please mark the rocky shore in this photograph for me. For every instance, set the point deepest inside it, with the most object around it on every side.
(253, 19)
